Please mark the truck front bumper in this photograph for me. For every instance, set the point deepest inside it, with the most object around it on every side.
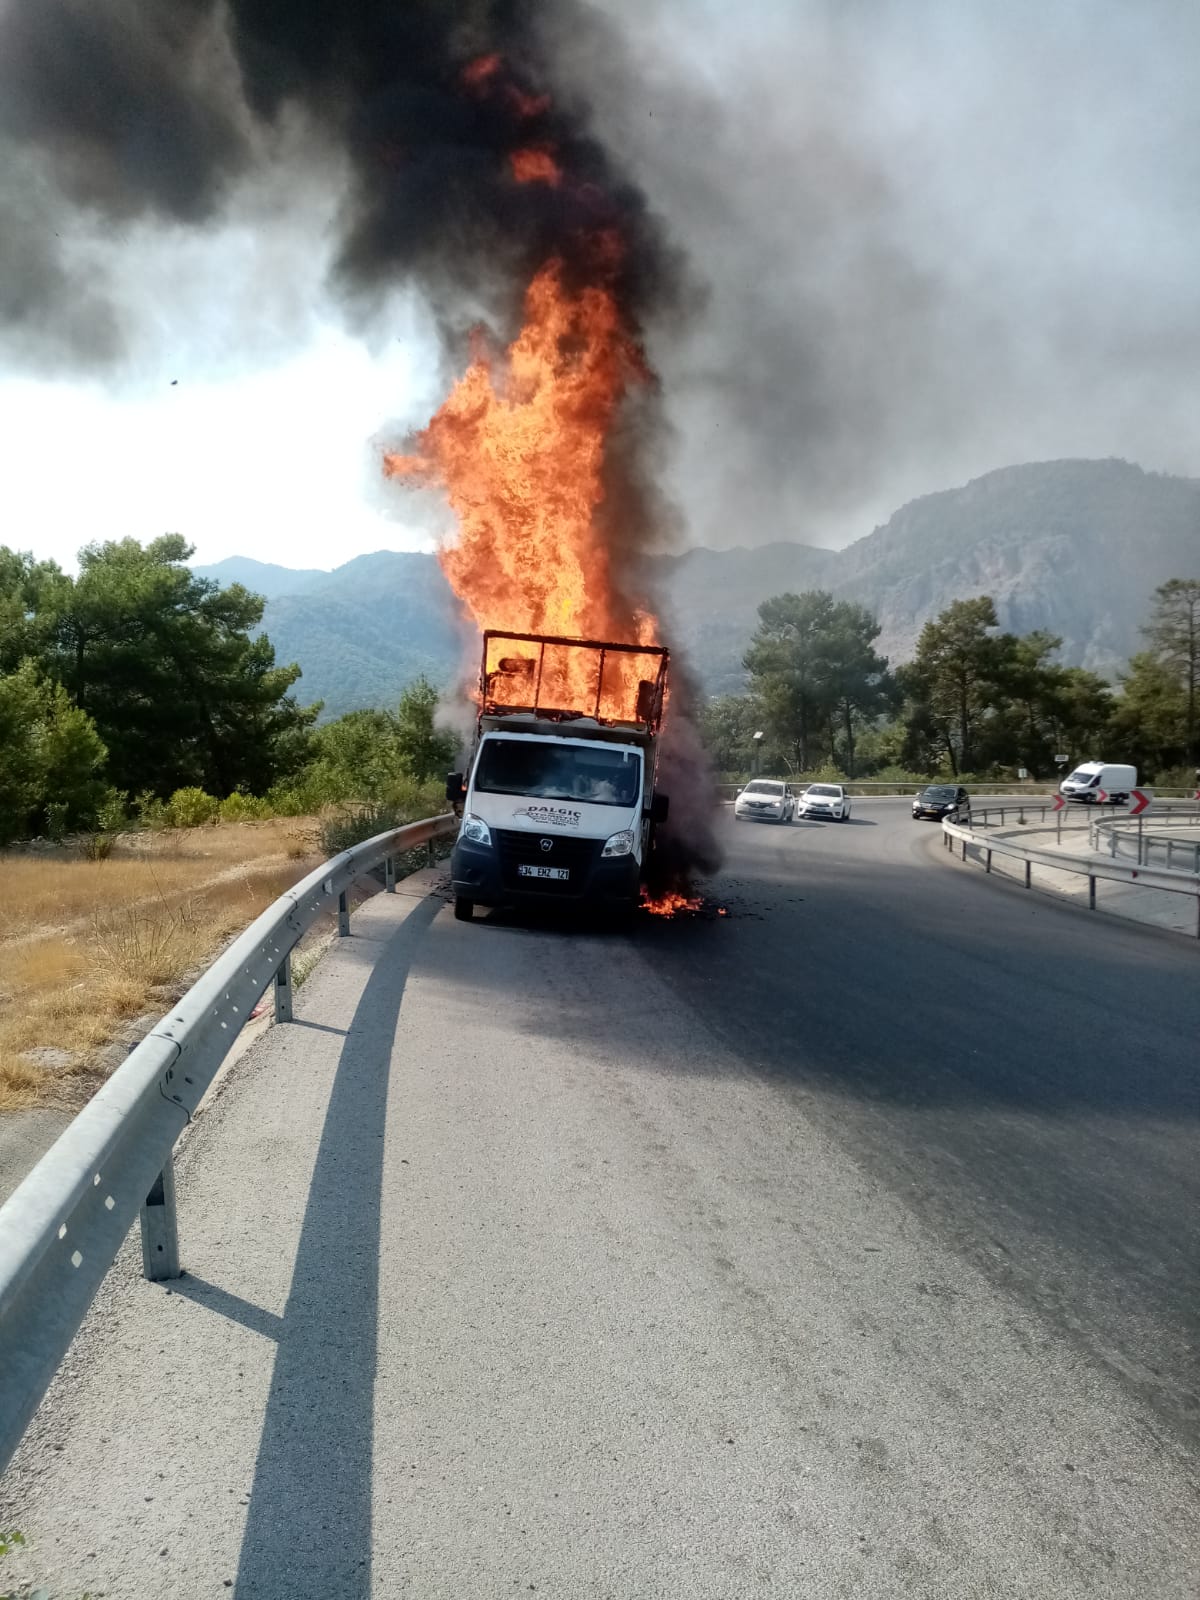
(478, 873)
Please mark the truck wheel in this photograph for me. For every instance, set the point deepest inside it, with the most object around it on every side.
(464, 909)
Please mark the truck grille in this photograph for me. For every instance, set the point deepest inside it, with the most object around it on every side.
(577, 855)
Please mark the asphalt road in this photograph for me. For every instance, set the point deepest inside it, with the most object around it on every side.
(1025, 1073)
(842, 1246)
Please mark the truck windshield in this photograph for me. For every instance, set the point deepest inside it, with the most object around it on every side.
(1084, 778)
(599, 774)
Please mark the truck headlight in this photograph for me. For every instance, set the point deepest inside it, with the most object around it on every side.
(621, 844)
(475, 829)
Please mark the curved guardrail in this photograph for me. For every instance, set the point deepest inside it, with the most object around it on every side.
(61, 1229)
(1088, 866)
(1140, 840)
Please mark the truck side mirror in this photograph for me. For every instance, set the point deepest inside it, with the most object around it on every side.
(454, 787)
(659, 806)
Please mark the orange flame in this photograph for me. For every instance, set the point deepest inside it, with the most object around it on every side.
(518, 446)
(480, 71)
(670, 904)
(527, 105)
(535, 165)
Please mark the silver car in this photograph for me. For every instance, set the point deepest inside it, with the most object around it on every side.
(766, 800)
(827, 800)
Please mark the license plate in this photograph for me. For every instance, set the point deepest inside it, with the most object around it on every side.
(561, 873)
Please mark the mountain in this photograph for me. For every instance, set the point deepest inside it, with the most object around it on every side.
(1075, 547)
(261, 577)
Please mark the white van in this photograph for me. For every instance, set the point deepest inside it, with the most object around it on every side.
(1094, 778)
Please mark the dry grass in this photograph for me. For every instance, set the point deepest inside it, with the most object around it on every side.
(53, 889)
(89, 946)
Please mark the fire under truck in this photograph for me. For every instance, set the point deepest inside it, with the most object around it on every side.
(559, 804)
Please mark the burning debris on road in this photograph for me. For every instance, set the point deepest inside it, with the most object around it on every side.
(671, 904)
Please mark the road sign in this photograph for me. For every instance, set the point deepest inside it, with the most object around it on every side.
(1059, 802)
(1022, 773)
(1062, 760)
(1138, 802)
(1101, 796)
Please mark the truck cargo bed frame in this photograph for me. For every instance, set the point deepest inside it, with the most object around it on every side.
(651, 691)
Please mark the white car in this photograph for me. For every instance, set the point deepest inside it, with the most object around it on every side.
(828, 800)
(766, 799)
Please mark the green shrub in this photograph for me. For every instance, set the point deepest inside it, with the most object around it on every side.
(57, 814)
(407, 802)
(191, 808)
(352, 824)
(899, 775)
(150, 811)
(238, 807)
(1177, 778)
(112, 814)
(285, 800)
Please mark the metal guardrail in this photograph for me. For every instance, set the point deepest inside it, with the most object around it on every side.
(1138, 839)
(1065, 817)
(61, 1229)
(1095, 871)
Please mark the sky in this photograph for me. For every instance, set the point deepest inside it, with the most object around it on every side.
(922, 240)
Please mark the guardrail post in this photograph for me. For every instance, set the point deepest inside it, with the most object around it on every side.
(1029, 874)
(389, 875)
(1091, 892)
(343, 915)
(1021, 815)
(1141, 843)
(160, 1233)
(989, 861)
(283, 990)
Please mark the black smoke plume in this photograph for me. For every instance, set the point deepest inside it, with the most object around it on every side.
(118, 110)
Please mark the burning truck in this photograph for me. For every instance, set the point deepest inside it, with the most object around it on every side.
(560, 803)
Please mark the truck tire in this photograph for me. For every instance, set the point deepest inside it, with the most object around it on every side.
(464, 909)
